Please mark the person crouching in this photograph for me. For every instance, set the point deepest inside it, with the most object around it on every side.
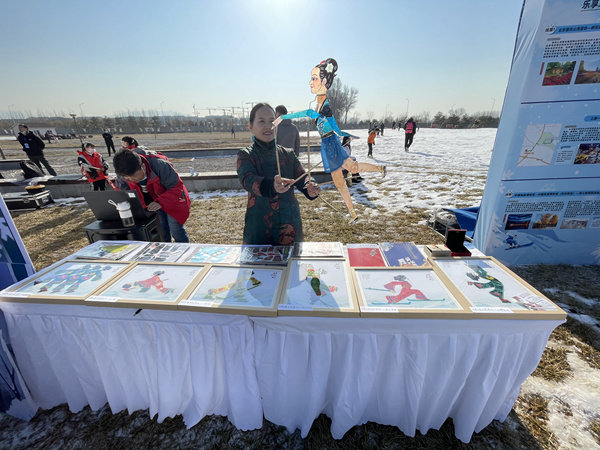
(159, 188)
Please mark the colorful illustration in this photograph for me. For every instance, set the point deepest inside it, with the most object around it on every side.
(162, 252)
(319, 284)
(400, 254)
(150, 282)
(365, 255)
(215, 254)
(542, 221)
(112, 250)
(239, 286)
(588, 154)
(404, 289)
(518, 221)
(333, 155)
(265, 254)
(558, 73)
(485, 284)
(72, 279)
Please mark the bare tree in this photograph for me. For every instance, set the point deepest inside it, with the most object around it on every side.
(342, 99)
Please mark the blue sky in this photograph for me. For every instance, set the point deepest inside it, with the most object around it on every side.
(107, 57)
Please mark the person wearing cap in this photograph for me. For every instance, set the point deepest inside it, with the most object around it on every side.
(33, 146)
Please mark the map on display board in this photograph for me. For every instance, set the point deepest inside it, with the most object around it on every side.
(541, 202)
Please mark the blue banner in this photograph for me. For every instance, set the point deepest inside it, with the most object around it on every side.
(541, 202)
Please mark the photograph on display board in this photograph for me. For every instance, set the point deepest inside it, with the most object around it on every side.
(68, 280)
(214, 254)
(319, 285)
(543, 221)
(162, 252)
(265, 254)
(485, 283)
(518, 221)
(365, 255)
(558, 73)
(110, 250)
(149, 283)
(242, 289)
(588, 154)
(398, 254)
(318, 249)
(410, 289)
(588, 72)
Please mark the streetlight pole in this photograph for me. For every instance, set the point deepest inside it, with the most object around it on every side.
(407, 103)
(162, 113)
(493, 104)
(73, 115)
(81, 109)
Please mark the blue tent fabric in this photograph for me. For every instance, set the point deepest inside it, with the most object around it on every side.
(466, 218)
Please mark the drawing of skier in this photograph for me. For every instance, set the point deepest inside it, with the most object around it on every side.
(236, 288)
(317, 285)
(71, 279)
(512, 241)
(496, 285)
(147, 284)
(405, 291)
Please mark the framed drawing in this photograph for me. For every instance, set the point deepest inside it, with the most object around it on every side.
(66, 282)
(162, 252)
(405, 292)
(401, 254)
(148, 285)
(489, 288)
(251, 290)
(213, 254)
(318, 287)
(110, 250)
(265, 254)
(365, 255)
(318, 250)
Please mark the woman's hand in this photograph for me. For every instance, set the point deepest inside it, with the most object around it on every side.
(154, 206)
(281, 185)
(313, 189)
(277, 121)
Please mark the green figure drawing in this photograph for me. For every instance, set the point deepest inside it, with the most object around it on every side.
(317, 285)
(492, 283)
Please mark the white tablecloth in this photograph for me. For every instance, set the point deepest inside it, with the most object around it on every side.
(170, 362)
(413, 374)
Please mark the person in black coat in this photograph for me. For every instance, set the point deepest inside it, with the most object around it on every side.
(34, 147)
(108, 140)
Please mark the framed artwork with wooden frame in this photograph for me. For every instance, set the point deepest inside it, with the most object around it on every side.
(68, 282)
(318, 287)
(110, 250)
(405, 292)
(148, 285)
(242, 289)
(491, 290)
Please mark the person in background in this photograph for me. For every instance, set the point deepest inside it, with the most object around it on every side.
(159, 188)
(288, 135)
(108, 140)
(272, 214)
(93, 166)
(371, 141)
(381, 127)
(410, 129)
(33, 146)
(129, 143)
(347, 145)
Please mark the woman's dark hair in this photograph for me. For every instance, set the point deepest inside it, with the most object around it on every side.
(88, 145)
(346, 140)
(327, 71)
(256, 108)
(126, 162)
(130, 141)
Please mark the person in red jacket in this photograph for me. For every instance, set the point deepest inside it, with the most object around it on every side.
(93, 166)
(159, 188)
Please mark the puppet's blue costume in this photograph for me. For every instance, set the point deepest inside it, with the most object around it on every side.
(332, 152)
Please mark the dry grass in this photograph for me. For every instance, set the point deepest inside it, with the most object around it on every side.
(554, 365)
(533, 409)
(595, 430)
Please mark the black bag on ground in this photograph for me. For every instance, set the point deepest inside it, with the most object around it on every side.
(30, 169)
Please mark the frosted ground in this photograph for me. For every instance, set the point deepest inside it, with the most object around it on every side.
(444, 168)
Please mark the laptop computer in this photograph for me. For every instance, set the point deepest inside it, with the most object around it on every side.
(98, 203)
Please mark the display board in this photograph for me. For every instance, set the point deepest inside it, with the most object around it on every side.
(541, 202)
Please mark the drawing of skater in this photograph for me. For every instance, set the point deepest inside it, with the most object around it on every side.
(237, 288)
(145, 285)
(71, 279)
(496, 285)
(405, 291)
